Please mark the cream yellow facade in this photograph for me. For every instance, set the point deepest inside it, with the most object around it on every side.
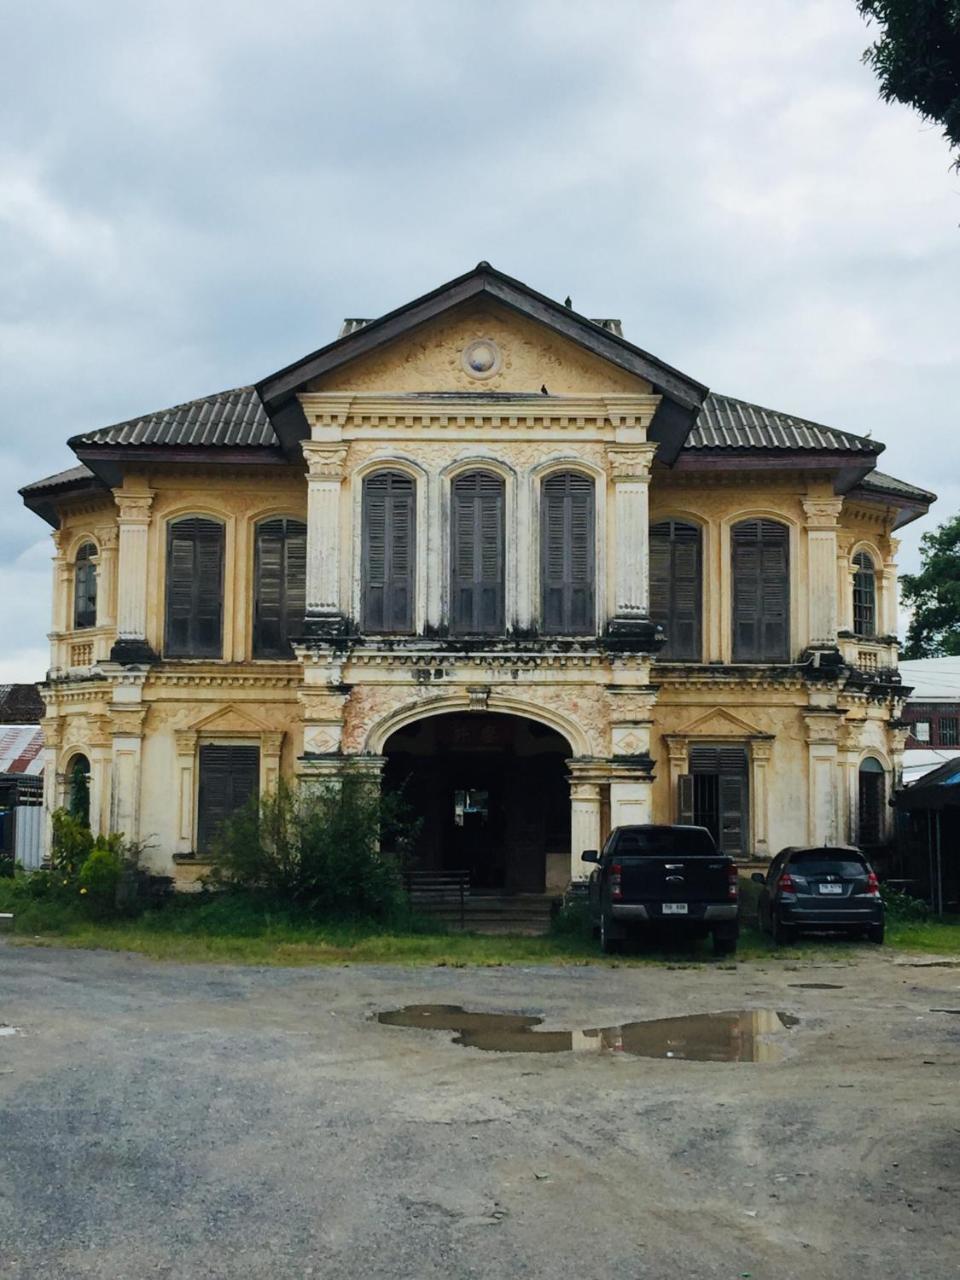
(520, 393)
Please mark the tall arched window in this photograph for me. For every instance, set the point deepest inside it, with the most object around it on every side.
(761, 591)
(388, 556)
(676, 588)
(864, 595)
(85, 587)
(78, 788)
(477, 554)
(872, 793)
(280, 586)
(194, 610)
(567, 556)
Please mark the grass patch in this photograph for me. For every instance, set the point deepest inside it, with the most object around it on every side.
(231, 929)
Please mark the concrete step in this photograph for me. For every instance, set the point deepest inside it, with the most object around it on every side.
(526, 914)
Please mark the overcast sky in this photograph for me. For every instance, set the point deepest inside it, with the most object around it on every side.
(194, 194)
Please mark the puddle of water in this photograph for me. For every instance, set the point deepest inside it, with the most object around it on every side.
(817, 986)
(738, 1036)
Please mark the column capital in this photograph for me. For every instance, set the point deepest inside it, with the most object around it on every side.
(630, 462)
(822, 513)
(134, 506)
(108, 535)
(324, 461)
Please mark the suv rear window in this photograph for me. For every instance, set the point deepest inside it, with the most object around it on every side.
(690, 842)
(821, 862)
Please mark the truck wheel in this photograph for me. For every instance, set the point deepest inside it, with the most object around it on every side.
(609, 946)
(724, 946)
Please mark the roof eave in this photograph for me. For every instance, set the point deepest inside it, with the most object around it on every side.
(108, 461)
(44, 502)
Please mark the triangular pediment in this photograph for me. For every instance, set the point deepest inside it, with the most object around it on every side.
(229, 720)
(720, 723)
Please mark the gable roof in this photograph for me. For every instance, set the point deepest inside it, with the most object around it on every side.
(681, 395)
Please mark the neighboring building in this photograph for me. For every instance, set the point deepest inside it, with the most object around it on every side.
(446, 549)
(21, 786)
(20, 704)
(931, 714)
(928, 844)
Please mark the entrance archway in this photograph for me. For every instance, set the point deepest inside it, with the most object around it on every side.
(492, 795)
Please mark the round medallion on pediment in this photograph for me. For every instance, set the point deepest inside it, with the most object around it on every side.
(481, 358)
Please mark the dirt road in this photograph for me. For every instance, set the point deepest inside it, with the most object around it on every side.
(158, 1120)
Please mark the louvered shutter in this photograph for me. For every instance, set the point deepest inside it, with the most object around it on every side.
(194, 610)
(676, 589)
(389, 552)
(685, 799)
(229, 777)
(864, 596)
(567, 561)
(280, 586)
(732, 814)
(477, 555)
(761, 592)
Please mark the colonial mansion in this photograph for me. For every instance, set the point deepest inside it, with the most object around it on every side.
(485, 547)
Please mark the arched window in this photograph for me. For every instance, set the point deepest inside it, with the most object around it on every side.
(567, 556)
(477, 554)
(78, 788)
(388, 552)
(761, 591)
(194, 611)
(85, 587)
(864, 595)
(676, 588)
(872, 793)
(280, 586)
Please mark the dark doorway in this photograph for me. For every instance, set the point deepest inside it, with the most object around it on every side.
(714, 795)
(492, 795)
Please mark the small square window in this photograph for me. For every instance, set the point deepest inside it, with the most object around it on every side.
(921, 730)
(949, 731)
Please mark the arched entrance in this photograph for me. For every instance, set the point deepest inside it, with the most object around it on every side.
(492, 794)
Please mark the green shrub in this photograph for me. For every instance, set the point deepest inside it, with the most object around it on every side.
(98, 879)
(70, 844)
(902, 906)
(318, 848)
(572, 920)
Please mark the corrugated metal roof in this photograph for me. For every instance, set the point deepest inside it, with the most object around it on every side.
(229, 419)
(21, 746)
(877, 482)
(70, 476)
(726, 423)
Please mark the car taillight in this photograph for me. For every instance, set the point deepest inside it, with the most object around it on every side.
(873, 884)
(786, 883)
(733, 883)
(616, 884)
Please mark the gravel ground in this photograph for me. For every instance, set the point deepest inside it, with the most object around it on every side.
(161, 1120)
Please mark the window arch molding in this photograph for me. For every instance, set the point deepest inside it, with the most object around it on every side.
(729, 521)
(424, 499)
(228, 613)
(488, 462)
(849, 609)
(532, 590)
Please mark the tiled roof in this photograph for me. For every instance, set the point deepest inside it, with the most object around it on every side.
(229, 419)
(21, 747)
(877, 482)
(20, 704)
(59, 480)
(726, 423)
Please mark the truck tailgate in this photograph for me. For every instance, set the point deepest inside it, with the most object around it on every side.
(674, 879)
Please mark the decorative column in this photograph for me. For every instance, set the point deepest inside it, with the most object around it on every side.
(133, 526)
(760, 749)
(325, 471)
(107, 537)
(584, 814)
(630, 471)
(60, 607)
(845, 576)
(848, 756)
(52, 727)
(100, 745)
(678, 752)
(822, 515)
(888, 621)
(823, 781)
(271, 745)
(185, 744)
(127, 714)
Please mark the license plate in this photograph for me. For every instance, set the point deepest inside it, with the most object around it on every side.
(674, 908)
(831, 888)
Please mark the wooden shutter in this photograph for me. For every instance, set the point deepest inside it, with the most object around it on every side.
(229, 777)
(733, 814)
(761, 592)
(864, 596)
(280, 572)
(388, 552)
(567, 559)
(477, 555)
(685, 799)
(85, 588)
(676, 588)
(194, 612)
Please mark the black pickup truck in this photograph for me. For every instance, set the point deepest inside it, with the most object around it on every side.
(670, 879)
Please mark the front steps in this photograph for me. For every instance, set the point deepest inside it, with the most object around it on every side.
(527, 914)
